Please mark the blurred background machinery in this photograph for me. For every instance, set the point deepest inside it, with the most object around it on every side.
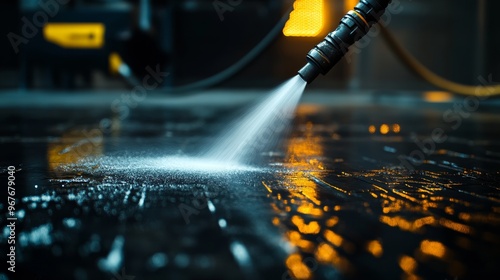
(75, 44)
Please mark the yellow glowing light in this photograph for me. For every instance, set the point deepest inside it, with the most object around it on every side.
(437, 96)
(311, 228)
(308, 109)
(429, 220)
(332, 221)
(375, 248)
(406, 225)
(455, 226)
(306, 19)
(296, 239)
(297, 267)
(433, 248)
(334, 238)
(350, 4)
(372, 129)
(305, 245)
(396, 128)
(325, 253)
(309, 209)
(267, 187)
(384, 129)
(75, 35)
(407, 264)
(308, 188)
(115, 61)
(303, 202)
(489, 218)
(293, 236)
(73, 146)
(464, 216)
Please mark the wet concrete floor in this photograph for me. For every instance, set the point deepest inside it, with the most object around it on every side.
(386, 188)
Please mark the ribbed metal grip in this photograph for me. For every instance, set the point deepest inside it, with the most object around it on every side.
(353, 26)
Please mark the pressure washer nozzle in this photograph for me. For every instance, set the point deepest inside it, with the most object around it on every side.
(309, 72)
(353, 26)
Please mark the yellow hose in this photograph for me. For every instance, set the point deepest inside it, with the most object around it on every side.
(413, 64)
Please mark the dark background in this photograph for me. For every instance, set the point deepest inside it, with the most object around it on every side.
(456, 39)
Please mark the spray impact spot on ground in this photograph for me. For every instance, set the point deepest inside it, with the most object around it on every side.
(259, 129)
(160, 167)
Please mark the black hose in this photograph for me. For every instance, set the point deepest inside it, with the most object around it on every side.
(231, 70)
(353, 26)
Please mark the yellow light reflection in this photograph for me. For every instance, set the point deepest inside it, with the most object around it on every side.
(334, 238)
(306, 20)
(325, 253)
(267, 187)
(407, 264)
(375, 248)
(437, 96)
(396, 128)
(489, 218)
(404, 224)
(308, 208)
(73, 146)
(332, 221)
(384, 129)
(448, 210)
(433, 248)
(372, 129)
(303, 214)
(455, 226)
(308, 189)
(311, 228)
(297, 267)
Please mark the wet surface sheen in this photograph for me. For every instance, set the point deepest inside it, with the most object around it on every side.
(361, 192)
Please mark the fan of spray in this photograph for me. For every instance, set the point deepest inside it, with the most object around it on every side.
(261, 127)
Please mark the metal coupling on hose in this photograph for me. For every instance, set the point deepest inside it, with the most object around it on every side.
(353, 26)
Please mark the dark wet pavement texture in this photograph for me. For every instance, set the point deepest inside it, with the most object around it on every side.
(388, 189)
